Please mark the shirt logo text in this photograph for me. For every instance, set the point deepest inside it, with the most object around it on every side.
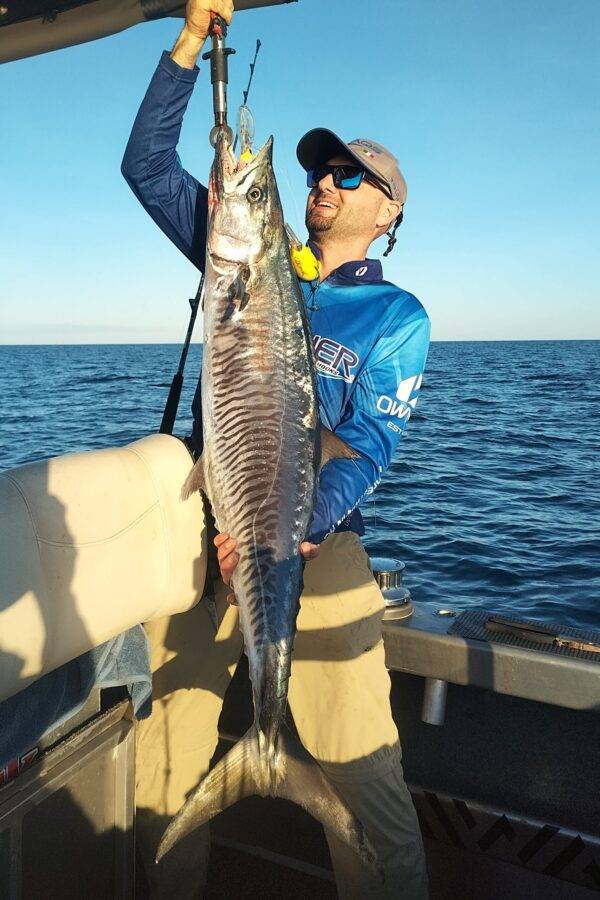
(333, 360)
(405, 400)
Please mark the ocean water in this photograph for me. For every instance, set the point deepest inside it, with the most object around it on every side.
(493, 499)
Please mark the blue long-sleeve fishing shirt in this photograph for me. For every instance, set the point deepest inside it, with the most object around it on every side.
(370, 337)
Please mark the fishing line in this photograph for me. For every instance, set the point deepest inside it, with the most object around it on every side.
(245, 132)
(373, 509)
(284, 169)
(245, 118)
(218, 58)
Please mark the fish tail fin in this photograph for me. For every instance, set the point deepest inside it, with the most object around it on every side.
(304, 782)
(233, 778)
(244, 771)
(195, 480)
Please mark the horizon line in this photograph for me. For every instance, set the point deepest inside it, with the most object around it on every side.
(200, 343)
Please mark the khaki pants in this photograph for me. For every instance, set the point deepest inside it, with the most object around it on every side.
(339, 696)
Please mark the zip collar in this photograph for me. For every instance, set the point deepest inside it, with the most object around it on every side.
(359, 271)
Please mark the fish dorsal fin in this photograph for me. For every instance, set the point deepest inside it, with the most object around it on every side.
(333, 447)
(195, 480)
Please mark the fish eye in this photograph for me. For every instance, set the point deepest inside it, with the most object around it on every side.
(254, 194)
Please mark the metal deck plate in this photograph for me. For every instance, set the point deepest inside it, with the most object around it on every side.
(424, 645)
(471, 624)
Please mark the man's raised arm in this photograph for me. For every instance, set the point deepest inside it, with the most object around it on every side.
(151, 166)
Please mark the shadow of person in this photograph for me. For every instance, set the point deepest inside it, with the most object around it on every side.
(181, 875)
(69, 851)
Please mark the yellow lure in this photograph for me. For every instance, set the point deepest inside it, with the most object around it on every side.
(305, 263)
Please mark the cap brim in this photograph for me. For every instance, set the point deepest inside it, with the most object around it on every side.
(317, 146)
(321, 144)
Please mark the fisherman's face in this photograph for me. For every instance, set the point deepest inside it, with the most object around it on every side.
(334, 213)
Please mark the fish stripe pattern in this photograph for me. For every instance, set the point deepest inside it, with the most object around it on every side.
(259, 469)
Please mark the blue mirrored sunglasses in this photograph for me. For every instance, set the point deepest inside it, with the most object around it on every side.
(346, 177)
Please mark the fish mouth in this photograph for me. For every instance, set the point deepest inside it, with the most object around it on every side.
(225, 157)
(227, 173)
(223, 169)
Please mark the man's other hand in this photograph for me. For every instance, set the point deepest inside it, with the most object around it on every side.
(229, 558)
(197, 15)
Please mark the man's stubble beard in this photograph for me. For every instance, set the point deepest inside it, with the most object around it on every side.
(332, 227)
(316, 224)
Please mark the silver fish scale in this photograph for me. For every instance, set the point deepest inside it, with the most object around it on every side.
(259, 418)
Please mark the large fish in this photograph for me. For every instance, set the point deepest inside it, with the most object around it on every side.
(263, 447)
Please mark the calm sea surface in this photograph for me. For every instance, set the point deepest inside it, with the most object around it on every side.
(493, 500)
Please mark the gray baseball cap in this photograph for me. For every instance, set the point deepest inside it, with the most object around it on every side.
(320, 144)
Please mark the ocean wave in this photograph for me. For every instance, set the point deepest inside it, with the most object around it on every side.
(493, 498)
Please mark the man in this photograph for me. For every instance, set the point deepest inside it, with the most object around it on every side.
(370, 340)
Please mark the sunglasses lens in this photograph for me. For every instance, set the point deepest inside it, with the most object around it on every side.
(349, 178)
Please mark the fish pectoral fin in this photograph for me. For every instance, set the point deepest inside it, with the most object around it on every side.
(234, 777)
(301, 780)
(237, 296)
(195, 480)
(333, 447)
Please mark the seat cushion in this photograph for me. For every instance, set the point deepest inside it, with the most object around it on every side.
(91, 544)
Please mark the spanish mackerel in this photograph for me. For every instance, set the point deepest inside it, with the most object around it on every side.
(263, 447)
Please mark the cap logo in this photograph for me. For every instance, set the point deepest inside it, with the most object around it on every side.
(367, 147)
(361, 271)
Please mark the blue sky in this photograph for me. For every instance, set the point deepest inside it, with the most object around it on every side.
(492, 109)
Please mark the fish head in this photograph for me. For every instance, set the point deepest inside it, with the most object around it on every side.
(245, 213)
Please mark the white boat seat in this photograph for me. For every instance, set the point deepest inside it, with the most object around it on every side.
(91, 544)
